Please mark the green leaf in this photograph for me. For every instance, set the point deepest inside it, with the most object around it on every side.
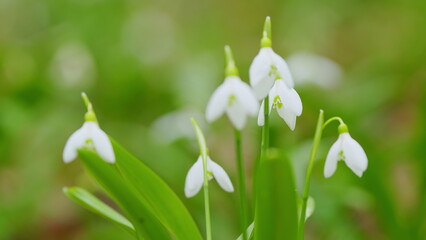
(276, 204)
(138, 210)
(92, 203)
(166, 204)
(249, 232)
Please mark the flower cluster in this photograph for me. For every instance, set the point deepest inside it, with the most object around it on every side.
(270, 83)
(269, 78)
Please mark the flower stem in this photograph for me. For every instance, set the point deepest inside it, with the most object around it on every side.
(207, 202)
(315, 145)
(333, 119)
(264, 145)
(265, 130)
(203, 152)
(242, 184)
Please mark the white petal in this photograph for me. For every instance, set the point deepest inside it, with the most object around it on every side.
(261, 89)
(261, 115)
(237, 115)
(74, 142)
(288, 116)
(289, 97)
(249, 232)
(332, 159)
(220, 175)
(296, 104)
(194, 179)
(218, 102)
(355, 157)
(260, 79)
(283, 69)
(245, 96)
(101, 142)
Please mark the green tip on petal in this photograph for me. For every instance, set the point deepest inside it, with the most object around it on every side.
(230, 69)
(267, 34)
(343, 128)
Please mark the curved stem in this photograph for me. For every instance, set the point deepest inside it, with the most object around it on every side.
(315, 145)
(332, 119)
(242, 181)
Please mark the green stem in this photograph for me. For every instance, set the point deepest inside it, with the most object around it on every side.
(315, 145)
(206, 201)
(203, 152)
(265, 130)
(333, 119)
(242, 184)
(263, 150)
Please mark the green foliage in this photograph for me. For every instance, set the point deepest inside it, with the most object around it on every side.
(137, 209)
(151, 205)
(91, 202)
(276, 204)
(141, 60)
(166, 205)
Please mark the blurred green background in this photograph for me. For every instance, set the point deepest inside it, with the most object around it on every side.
(149, 65)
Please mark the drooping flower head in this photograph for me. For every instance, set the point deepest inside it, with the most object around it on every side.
(268, 66)
(347, 150)
(286, 101)
(233, 97)
(89, 136)
(270, 76)
(195, 177)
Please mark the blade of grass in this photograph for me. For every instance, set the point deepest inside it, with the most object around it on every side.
(92, 203)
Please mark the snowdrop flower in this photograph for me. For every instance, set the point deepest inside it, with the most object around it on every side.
(286, 101)
(195, 177)
(89, 135)
(311, 68)
(348, 150)
(268, 66)
(234, 97)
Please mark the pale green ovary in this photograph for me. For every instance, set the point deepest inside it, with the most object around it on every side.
(277, 102)
(274, 72)
(231, 100)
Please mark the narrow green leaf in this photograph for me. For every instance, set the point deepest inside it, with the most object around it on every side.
(92, 203)
(276, 204)
(146, 224)
(249, 232)
(166, 204)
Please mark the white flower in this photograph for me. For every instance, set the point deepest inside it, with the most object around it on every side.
(286, 101)
(311, 68)
(195, 177)
(234, 97)
(268, 66)
(348, 150)
(89, 135)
